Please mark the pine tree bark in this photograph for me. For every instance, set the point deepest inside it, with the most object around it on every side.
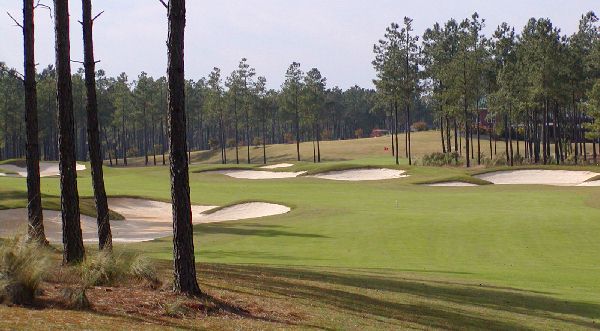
(297, 123)
(104, 232)
(183, 240)
(396, 130)
(442, 135)
(71, 226)
(408, 140)
(34, 205)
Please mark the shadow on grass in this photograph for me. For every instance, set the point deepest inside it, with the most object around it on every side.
(346, 291)
(251, 230)
(251, 254)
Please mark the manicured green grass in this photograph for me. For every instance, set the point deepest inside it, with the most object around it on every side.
(389, 254)
(11, 199)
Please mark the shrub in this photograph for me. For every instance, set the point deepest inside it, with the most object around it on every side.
(288, 137)
(496, 160)
(102, 268)
(176, 309)
(76, 298)
(419, 126)
(441, 159)
(358, 133)
(256, 141)
(326, 134)
(213, 144)
(500, 160)
(231, 142)
(143, 268)
(23, 266)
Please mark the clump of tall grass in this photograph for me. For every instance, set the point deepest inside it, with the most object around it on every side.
(106, 268)
(144, 269)
(23, 266)
(441, 159)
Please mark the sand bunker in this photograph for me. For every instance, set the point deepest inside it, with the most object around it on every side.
(252, 174)
(593, 183)
(144, 219)
(539, 177)
(245, 211)
(278, 166)
(47, 169)
(452, 184)
(363, 174)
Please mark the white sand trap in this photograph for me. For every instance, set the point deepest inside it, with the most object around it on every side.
(452, 184)
(538, 177)
(278, 166)
(47, 169)
(363, 174)
(144, 219)
(245, 211)
(253, 174)
(593, 183)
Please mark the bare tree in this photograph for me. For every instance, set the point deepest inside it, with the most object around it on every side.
(71, 226)
(183, 240)
(34, 205)
(104, 233)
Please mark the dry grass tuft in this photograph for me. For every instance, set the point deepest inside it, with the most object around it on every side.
(23, 266)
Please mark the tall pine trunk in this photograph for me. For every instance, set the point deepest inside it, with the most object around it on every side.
(396, 129)
(318, 143)
(104, 233)
(34, 199)
(183, 240)
(442, 135)
(297, 123)
(408, 141)
(71, 226)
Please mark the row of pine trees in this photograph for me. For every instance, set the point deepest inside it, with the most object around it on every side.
(534, 84)
(223, 112)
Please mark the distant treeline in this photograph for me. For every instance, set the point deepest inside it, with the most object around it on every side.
(221, 112)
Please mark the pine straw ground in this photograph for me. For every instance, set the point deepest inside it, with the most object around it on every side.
(134, 304)
(243, 297)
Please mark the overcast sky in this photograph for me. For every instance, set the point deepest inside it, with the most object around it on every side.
(335, 36)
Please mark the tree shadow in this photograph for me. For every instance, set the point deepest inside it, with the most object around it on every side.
(250, 254)
(343, 290)
(252, 230)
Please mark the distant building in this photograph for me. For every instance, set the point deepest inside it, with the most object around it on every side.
(379, 133)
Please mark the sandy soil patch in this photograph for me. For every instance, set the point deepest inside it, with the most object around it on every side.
(363, 174)
(47, 169)
(253, 174)
(538, 177)
(278, 166)
(144, 219)
(452, 184)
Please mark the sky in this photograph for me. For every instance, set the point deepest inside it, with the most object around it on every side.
(335, 36)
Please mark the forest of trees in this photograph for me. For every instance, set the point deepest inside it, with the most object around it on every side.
(223, 111)
(539, 85)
